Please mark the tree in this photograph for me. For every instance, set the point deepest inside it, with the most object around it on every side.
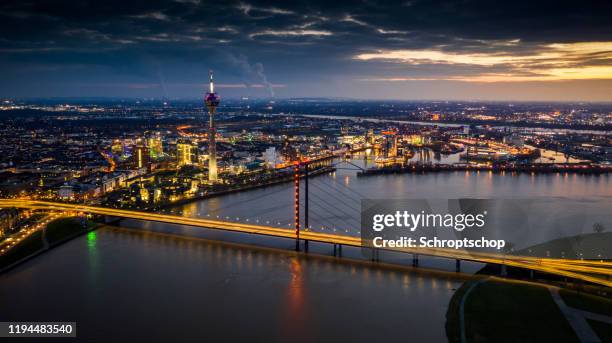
(599, 228)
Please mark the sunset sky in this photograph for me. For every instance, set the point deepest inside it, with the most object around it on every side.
(488, 50)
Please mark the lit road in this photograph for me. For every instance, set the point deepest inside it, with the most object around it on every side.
(588, 270)
(25, 232)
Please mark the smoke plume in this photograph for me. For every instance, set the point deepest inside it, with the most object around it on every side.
(251, 73)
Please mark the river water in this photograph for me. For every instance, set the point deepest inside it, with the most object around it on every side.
(145, 282)
(146, 286)
(568, 204)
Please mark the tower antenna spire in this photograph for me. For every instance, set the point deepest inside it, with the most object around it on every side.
(212, 84)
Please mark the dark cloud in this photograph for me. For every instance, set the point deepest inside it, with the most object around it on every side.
(298, 43)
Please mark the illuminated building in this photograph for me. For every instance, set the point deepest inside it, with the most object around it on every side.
(370, 137)
(186, 153)
(390, 143)
(140, 156)
(271, 157)
(66, 192)
(348, 140)
(414, 139)
(212, 101)
(156, 149)
(288, 152)
(117, 147)
(144, 194)
(157, 194)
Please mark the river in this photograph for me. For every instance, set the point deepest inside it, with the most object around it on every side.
(146, 282)
(569, 203)
(147, 286)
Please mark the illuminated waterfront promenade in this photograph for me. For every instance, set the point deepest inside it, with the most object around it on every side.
(597, 272)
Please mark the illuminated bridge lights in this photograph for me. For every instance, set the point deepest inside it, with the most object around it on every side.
(296, 178)
(597, 272)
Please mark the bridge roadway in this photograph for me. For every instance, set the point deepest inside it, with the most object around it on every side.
(598, 272)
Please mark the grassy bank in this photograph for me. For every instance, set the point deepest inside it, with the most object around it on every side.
(499, 311)
(25, 248)
(56, 232)
(591, 303)
(602, 330)
(453, 326)
(587, 302)
(63, 228)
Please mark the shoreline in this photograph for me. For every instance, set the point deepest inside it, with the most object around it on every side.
(436, 168)
(49, 247)
(317, 172)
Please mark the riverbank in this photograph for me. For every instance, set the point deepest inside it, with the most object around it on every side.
(56, 233)
(287, 179)
(499, 310)
(532, 168)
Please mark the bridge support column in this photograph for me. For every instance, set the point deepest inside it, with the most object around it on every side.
(339, 250)
(531, 274)
(458, 265)
(503, 270)
(306, 224)
(375, 255)
(296, 204)
(415, 260)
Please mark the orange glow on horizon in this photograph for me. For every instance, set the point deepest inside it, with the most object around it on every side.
(551, 62)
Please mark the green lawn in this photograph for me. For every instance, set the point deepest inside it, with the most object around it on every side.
(497, 311)
(453, 332)
(591, 303)
(62, 228)
(587, 302)
(602, 330)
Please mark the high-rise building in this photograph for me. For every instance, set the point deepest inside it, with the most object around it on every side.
(390, 144)
(212, 101)
(186, 153)
(370, 137)
(140, 155)
(156, 149)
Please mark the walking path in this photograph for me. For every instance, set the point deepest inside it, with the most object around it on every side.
(578, 318)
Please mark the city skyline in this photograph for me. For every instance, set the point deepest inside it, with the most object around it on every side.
(415, 50)
(308, 171)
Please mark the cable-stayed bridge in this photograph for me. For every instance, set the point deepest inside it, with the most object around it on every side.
(598, 272)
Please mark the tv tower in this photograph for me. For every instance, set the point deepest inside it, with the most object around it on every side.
(212, 101)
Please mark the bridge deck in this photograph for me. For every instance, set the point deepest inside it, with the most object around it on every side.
(591, 271)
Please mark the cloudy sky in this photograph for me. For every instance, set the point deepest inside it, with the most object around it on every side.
(513, 50)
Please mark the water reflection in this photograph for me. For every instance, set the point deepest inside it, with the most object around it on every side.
(295, 318)
(93, 257)
(275, 295)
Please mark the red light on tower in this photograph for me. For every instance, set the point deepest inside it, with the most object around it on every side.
(296, 179)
